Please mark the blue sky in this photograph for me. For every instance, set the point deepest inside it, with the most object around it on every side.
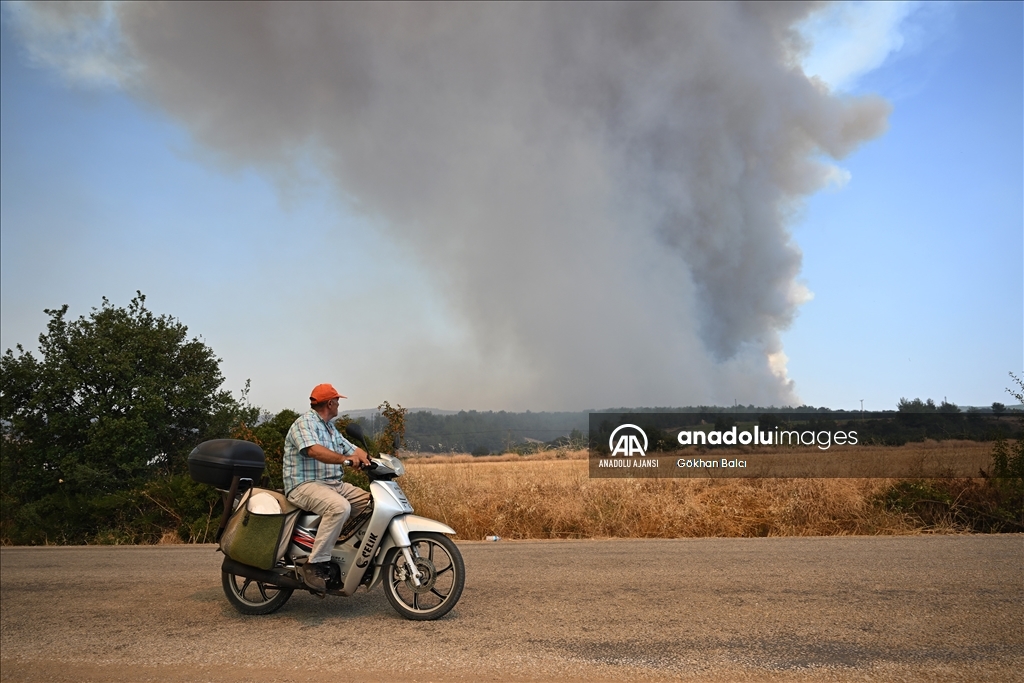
(916, 262)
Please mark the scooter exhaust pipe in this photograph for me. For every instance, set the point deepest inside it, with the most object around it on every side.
(261, 575)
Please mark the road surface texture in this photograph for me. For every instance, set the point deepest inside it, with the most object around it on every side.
(918, 608)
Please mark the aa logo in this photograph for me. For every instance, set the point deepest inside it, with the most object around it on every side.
(627, 444)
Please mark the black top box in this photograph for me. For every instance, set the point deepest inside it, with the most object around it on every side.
(216, 462)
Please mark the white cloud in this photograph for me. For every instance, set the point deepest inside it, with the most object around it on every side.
(849, 39)
(84, 45)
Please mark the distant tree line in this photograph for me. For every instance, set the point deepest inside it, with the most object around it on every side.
(482, 433)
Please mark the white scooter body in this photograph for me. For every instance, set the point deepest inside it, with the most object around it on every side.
(365, 541)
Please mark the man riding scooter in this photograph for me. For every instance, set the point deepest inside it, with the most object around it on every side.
(314, 457)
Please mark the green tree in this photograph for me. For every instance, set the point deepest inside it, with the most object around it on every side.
(916, 406)
(394, 426)
(114, 399)
(269, 433)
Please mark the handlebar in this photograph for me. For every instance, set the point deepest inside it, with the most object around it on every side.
(369, 466)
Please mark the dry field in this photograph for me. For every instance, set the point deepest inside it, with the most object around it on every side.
(551, 495)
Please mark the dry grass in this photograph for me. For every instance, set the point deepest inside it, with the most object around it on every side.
(551, 495)
(170, 537)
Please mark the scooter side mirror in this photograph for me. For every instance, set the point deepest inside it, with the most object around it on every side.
(355, 432)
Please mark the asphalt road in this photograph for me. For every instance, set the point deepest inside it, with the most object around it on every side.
(776, 609)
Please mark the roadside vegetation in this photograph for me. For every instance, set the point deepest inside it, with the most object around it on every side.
(98, 423)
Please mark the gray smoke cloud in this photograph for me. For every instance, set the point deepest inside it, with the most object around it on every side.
(601, 191)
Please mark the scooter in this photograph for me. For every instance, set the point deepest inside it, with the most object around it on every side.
(420, 567)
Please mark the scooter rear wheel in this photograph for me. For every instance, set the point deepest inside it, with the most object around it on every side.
(250, 596)
(443, 577)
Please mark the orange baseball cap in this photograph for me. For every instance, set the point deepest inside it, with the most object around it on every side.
(322, 393)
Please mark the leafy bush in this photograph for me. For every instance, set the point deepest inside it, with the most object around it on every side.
(1008, 467)
(964, 504)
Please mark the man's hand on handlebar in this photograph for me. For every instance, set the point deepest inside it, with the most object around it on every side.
(359, 458)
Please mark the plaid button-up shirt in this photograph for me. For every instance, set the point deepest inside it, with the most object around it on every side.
(309, 430)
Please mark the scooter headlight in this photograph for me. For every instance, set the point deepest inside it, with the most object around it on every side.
(394, 463)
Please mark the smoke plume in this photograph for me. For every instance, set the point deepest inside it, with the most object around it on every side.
(602, 191)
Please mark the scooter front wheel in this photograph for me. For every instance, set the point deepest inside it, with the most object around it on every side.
(442, 577)
(250, 596)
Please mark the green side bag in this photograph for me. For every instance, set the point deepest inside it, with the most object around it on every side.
(255, 539)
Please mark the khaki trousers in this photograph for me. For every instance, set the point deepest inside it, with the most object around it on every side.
(334, 502)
